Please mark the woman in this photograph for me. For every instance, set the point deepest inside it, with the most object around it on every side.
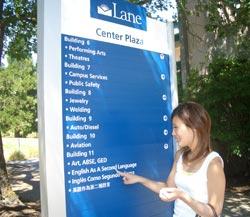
(196, 182)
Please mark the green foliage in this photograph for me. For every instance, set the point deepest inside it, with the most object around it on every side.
(18, 98)
(17, 155)
(225, 92)
(227, 21)
(19, 19)
(227, 17)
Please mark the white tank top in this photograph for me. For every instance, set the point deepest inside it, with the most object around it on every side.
(195, 184)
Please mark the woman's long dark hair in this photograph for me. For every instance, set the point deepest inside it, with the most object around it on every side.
(197, 118)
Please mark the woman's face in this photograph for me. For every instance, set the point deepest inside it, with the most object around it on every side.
(183, 134)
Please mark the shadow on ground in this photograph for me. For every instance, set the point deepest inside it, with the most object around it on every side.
(237, 201)
(25, 181)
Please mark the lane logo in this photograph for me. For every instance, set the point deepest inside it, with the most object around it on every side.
(121, 15)
(121, 12)
(104, 10)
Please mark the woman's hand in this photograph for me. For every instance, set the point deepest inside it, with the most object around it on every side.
(170, 194)
(129, 178)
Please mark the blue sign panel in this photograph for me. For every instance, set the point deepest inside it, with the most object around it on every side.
(116, 116)
(119, 12)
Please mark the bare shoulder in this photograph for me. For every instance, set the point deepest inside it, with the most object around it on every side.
(216, 165)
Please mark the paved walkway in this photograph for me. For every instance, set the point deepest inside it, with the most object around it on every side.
(24, 176)
(237, 202)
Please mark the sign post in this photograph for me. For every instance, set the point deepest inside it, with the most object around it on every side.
(107, 87)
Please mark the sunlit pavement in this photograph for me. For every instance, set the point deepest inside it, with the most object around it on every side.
(237, 203)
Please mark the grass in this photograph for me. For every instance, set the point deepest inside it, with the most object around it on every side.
(27, 150)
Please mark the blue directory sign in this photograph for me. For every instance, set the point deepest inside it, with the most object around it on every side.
(116, 114)
(108, 69)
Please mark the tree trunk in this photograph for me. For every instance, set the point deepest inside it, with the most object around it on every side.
(7, 195)
(184, 54)
(184, 44)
